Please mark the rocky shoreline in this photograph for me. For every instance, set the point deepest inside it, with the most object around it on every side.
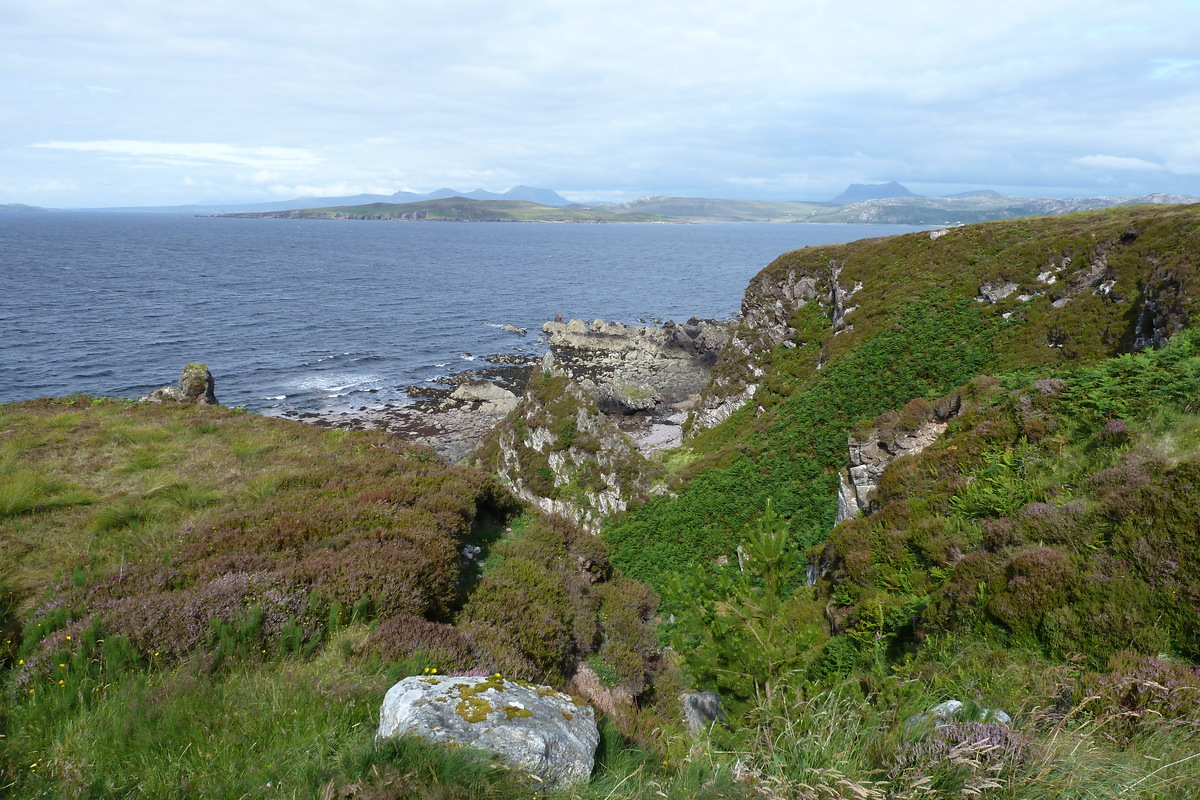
(646, 378)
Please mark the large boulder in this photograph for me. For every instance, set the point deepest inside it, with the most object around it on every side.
(531, 728)
(490, 398)
(196, 385)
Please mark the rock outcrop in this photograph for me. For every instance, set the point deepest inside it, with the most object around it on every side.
(631, 368)
(490, 398)
(895, 434)
(701, 710)
(769, 317)
(531, 728)
(560, 453)
(195, 386)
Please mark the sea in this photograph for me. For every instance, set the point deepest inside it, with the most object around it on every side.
(297, 316)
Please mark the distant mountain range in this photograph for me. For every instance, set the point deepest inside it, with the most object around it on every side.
(885, 203)
(889, 203)
(544, 197)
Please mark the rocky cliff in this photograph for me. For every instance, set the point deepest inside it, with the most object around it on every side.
(1055, 291)
(634, 369)
(562, 454)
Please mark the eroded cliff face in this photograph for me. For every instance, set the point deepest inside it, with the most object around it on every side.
(631, 369)
(769, 320)
(1050, 292)
(562, 454)
(873, 447)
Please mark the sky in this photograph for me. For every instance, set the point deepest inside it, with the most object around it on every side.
(144, 102)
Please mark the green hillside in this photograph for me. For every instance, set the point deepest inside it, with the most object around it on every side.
(200, 602)
(917, 331)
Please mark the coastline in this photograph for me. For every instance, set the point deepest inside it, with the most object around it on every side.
(645, 378)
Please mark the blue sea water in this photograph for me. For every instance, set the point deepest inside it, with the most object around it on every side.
(311, 315)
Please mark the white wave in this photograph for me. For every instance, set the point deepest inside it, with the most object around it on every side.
(334, 383)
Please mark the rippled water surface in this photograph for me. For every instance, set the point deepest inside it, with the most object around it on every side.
(294, 315)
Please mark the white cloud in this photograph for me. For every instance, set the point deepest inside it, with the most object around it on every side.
(199, 152)
(328, 190)
(770, 97)
(1116, 163)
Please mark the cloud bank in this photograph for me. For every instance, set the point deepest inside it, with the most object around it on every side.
(136, 103)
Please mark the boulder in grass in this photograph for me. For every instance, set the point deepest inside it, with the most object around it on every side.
(945, 714)
(701, 710)
(531, 728)
(196, 385)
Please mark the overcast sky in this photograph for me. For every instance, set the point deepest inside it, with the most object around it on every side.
(145, 102)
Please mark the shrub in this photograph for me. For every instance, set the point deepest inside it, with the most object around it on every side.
(1036, 580)
(447, 648)
(1140, 691)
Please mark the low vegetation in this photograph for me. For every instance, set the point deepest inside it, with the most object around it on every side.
(199, 602)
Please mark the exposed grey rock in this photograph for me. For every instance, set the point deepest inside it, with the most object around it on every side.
(768, 311)
(716, 409)
(531, 728)
(196, 385)
(870, 456)
(995, 291)
(700, 711)
(624, 398)
(493, 399)
(1162, 310)
(560, 453)
(944, 714)
(669, 362)
(513, 329)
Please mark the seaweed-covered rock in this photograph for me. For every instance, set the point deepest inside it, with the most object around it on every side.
(531, 728)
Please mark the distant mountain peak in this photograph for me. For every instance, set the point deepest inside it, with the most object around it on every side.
(857, 192)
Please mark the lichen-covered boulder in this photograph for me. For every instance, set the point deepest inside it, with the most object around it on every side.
(531, 728)
(196, 385)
